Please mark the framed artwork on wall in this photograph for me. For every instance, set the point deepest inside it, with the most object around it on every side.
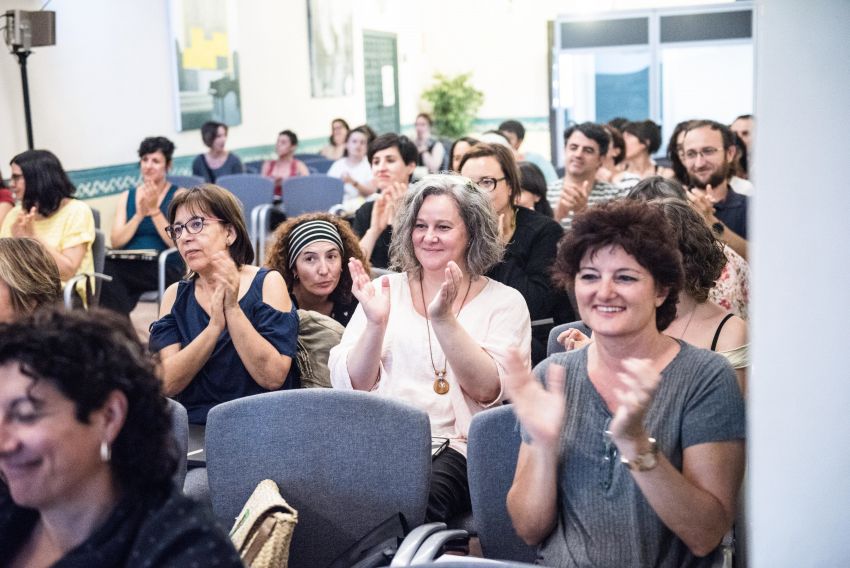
(331, 40)
(206, 62)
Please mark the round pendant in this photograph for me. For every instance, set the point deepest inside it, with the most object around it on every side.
(441, 385)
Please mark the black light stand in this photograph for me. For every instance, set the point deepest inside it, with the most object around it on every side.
(22, 55)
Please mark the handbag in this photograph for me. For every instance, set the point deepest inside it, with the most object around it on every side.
(262, 532)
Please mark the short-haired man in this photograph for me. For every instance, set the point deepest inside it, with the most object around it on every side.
(514, 131)
(707, 152)
(393, 160)
(585, 145)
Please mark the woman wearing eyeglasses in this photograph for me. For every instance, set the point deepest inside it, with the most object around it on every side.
(530, 239)
(229, 329)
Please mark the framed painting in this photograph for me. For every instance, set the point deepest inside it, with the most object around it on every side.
(206, 62)
(329, 25)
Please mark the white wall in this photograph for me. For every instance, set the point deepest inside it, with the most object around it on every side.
(800, 389)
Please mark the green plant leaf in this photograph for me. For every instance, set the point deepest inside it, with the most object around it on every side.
(454, 104)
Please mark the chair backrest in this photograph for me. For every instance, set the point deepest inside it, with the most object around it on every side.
(186, 181)
(180, 432)
(98, 251)
(319, 165)
(254, 166)
(95, 213)
(310, 194)
(254, 191)
(345, 460)
(553, 346)
(491, 462)
(308, 157)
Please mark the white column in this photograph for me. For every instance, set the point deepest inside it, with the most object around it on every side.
(799, 406)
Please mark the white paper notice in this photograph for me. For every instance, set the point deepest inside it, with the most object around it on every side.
(388, 85)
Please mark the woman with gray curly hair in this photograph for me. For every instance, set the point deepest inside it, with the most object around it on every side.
(437, 335)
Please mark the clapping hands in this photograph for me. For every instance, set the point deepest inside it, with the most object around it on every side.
(376, 304)
(541, 409)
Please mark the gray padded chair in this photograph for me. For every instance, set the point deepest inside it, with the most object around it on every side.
(98, 252)
(344, 460)
(311, 194)
(491, 462)
(180, 431)
(553, 346)
(186, 181)
(255, 192)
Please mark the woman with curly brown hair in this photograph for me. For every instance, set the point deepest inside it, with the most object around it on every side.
(309, 252)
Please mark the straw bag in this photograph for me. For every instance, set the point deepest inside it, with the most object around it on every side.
(262, 532)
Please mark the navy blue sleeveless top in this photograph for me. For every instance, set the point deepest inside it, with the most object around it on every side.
(223, 377)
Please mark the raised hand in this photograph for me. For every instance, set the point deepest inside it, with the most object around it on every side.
(640, 382)
(376, 304)
(440, 307)
(573, 199)
(702, 203)
(226, 276)
(573, 339)
(23, 225)
(541, 410)
(146, 203)
(381, 213)
(218, 321)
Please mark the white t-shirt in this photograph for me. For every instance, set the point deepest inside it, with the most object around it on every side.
(497, 319)
(362, 173)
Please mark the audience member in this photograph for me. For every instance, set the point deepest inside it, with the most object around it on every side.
(393, 160)
(708, 149)
(591, 486)
(739, 180)
(459, 149)
(731, 290)
(675, 153)
(584, 147)
(495, 137)
(436, 335)
(48, 212)
(533, 189)
(530, 239)
(218, 161)
(612, 170)
(140, 223)
(29, 278)
(514, 131)
(743, 127)
(229, 330)
(88, 457)
(7, 199)
(286, 165)
(354, 170)
(312, 252)
(335, 148)
(618, 122)
(430, 150)
(642, 139)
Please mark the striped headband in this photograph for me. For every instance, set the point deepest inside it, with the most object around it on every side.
(310, 232)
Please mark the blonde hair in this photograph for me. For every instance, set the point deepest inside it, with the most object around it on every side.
(30, 273)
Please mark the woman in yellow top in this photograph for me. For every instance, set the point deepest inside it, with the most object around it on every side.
(47, 212)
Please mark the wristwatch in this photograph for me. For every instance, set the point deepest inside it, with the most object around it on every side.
(718, 228)
(645, 461)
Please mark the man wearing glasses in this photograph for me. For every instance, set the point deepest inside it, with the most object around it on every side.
(707, 152)
(585, 145)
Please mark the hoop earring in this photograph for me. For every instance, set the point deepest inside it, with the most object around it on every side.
(105, 452)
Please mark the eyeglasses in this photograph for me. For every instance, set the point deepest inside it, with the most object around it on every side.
(16, 177)
(706, 153)
(488, 183)
(193, 226)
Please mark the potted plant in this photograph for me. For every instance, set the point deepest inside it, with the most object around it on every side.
(454, 104)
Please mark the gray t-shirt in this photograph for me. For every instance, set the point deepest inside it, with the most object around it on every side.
(603, 518)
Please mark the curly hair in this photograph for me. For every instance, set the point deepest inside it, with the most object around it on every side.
(702, 254)
(157, 143)
(278, 255)
(484, 248)
(640, 230)
(87, 356)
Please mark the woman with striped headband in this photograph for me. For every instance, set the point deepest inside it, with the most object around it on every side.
(312, 252)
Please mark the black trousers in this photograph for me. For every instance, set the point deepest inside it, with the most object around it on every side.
(130, 278)
(449, 494)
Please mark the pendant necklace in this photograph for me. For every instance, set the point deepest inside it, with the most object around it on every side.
(441, 385)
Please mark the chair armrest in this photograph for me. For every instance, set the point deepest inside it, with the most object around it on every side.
(411, 543)
(161, 260)
(71, 286)
(259, 228)
(433, 544)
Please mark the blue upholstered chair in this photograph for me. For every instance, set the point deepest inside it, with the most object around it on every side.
(311, 194)
(491, 462)
(186, 181)
(345, 460)
(553, 346)
(319, 165)
(256, 193)
(180, 431)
